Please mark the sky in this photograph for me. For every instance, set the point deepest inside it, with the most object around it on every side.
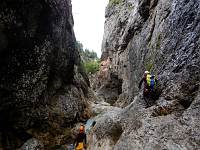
(89, 17)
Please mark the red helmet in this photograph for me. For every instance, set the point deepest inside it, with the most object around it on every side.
(81, 129)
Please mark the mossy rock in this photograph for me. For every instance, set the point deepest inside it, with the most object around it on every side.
(115, 2)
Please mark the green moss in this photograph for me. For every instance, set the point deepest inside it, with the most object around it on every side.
(150, 59)
(115, 2)
(149, 66)
(130, 6)
(153, 53)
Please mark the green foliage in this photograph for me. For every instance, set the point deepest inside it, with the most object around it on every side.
(86, 55)
(91, 55)
(149, 66)
(79, 46)
(92, 66)
(150, 61)
(153, 53)
(90, 61)
(115, 2)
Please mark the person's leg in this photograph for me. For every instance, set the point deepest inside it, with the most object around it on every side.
(80, 146)
(151, 97)
(146, 97)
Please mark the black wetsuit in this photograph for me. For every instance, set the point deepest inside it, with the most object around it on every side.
(81, 137)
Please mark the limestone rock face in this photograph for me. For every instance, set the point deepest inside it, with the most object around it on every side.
(136, 127)
(111, 89)
(171, 131)
(162, 37)
(42, 86)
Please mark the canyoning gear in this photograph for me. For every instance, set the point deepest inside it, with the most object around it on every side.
(151, 81)
(146, 91)
(80, 141)
(89, 125)
(146, 72)
(144, 79)
(80, 146)
(149, 87)
(147, 96)
(81, 129)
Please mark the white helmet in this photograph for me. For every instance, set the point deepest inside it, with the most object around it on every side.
(146, 72)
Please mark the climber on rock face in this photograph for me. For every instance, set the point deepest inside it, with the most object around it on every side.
(80, 142)
(149, 83)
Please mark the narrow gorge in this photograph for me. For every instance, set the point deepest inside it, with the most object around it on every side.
(45, 92)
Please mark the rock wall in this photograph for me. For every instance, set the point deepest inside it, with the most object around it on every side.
(162, 37)
(42, 86)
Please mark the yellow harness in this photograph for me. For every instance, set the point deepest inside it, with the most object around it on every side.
(80, 146)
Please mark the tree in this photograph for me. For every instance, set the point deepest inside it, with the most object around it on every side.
(79, 46)
(89, 58)
(91, 66)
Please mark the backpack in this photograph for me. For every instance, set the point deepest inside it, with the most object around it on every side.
(151, 81)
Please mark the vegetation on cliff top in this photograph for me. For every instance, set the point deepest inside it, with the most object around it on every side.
(114, 2)
(89, 59)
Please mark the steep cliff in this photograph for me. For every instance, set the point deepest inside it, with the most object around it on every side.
(42, 86)
(162, 37)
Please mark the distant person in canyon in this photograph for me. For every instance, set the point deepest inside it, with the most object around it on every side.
(149, 84)
(80, 143)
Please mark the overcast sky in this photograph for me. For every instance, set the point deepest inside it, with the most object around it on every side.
(89, 22)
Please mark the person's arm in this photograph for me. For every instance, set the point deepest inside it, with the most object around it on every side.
(75, 142)
(140, 84)
(85, 139)
(156, 81)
